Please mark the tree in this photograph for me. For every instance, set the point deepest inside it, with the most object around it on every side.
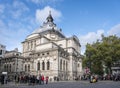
(103, 52)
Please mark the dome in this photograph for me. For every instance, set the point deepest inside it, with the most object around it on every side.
(49, 25)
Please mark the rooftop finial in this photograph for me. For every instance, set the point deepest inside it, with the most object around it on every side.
(50, 12)
(49, 18)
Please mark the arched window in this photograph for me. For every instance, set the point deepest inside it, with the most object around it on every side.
(43, 65)
(28, 45)
(5, 67)
(28, 67)
(10, 68)
(64, 65)
(60, 64)
(31, 44)
(38, 66)
(25, 67)
(48, 65)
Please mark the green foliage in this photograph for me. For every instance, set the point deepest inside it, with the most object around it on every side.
(103, 52)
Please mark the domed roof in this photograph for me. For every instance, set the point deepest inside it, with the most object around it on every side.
(46, 26)
(49, 25)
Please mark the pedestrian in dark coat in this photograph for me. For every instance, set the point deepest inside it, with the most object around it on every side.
(40, 78)
(2, 79)
(46, 79)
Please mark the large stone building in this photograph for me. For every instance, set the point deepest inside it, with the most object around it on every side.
(11, 64)
(49, 52)
(2, 52)
(116, 68)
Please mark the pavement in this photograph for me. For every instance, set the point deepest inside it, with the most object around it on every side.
(67, 84)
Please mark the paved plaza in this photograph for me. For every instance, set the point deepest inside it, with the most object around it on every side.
(78, 84)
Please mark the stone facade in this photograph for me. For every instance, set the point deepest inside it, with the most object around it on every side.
(12, 64)
(2, 53)
(2, 50)
(47, 51)
(116, 68)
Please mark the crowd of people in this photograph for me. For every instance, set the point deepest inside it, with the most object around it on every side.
(3, 79)
(41, 79)
(114, 77)
(31, 79)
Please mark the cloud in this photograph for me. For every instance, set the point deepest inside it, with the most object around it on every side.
(38, 1)
(89, 38)
(12, 39)
(41, 14)
(15, 9)
(2, 24)
(15, 24)
(2, 7)
(18, 9)
(115, 30)
(42, 1)
(93, 36)
(13, 33)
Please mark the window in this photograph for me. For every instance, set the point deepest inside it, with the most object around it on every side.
(35, 42)
(60, 44)
(38, 66)
(64, 65)
(0, 52)
(60, 64)
(31, 44)
(48, 65)
(10, 68)
(25, 67)
(28, 45)
(5, 67)
(43, 65)
(28, 67)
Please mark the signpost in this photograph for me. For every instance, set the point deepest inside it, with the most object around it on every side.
(4, 73)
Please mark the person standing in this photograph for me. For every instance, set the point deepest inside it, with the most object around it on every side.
(46, 79)
(5, 79)
(2, 79)
(42, 79)
(37, 78)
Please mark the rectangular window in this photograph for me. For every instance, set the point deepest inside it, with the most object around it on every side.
(0, 52)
